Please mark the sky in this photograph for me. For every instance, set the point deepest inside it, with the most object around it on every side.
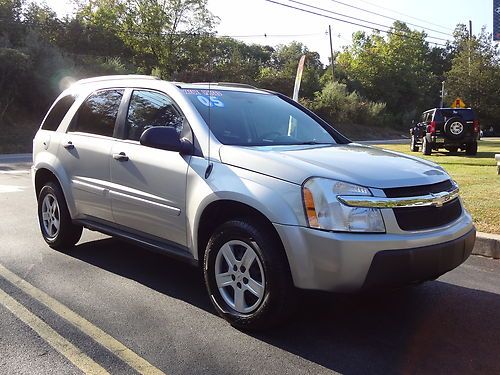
(250, 20)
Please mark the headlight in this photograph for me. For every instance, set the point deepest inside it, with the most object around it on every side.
(324, 210)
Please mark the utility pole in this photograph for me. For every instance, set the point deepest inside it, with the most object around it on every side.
(331, 51)
(470, 44)
(442, 94)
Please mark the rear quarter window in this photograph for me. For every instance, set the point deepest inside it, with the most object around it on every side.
(57, 113)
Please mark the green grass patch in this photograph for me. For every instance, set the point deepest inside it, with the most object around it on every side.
(477, 178)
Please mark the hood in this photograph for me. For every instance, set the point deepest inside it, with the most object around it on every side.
(355, 163)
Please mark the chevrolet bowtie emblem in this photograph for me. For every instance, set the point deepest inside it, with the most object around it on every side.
(438, 200)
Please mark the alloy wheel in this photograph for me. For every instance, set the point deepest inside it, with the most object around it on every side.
(239, 276)
(51, 216)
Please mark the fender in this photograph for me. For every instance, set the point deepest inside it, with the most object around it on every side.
(277, 200)
(49, 161)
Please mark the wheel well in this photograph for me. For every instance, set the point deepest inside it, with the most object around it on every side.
(219, 212)
(42, 177)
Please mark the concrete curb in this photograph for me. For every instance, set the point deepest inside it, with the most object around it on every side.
(487, 245)
(15, 158)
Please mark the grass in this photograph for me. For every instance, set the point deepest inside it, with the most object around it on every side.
(477, 178)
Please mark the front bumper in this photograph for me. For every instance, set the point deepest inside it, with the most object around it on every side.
(400, 267)
(349, 262)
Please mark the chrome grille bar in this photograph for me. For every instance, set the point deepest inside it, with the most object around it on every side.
(431, 199)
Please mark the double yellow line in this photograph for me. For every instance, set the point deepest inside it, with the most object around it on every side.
(59, 343)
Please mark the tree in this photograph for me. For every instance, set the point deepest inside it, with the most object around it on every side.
(14, 67)
(394, 70)
(475, 75)
(280, 74)
(158, 32)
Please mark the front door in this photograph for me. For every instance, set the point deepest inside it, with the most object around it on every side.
(149, 185)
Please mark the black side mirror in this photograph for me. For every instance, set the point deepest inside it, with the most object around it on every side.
(165, 138)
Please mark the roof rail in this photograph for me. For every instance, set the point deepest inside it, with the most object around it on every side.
(227, 84)
(116, 77)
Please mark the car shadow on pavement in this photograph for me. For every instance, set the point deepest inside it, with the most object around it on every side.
(434, 328)
(156, 271)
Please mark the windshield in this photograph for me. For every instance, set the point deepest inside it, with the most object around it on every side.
(256, 119)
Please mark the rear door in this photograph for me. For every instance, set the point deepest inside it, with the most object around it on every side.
(85, 153)
(149, 185)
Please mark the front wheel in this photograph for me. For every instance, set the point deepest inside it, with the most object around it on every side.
(247, 275)
(54, 218)
(413, 144)
(426, 147)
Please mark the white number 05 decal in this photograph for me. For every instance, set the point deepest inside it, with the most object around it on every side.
(210, 101)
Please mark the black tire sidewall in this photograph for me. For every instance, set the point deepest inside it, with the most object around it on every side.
(426, 146)
(68, 233)
(269, 254)
(413, 144)
(447, 126)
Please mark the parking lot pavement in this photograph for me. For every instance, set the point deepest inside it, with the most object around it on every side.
(156, 310)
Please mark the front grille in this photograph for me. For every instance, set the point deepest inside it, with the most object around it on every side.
(414, 191)
(418, 218)
(427, 217)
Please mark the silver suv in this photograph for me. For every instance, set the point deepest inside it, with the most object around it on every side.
(257, 190)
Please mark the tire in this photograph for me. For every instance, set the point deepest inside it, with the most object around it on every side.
(413, 144)
(426, 147)
(268, 276)
(55, 221)
(454, 128)
(471, 148)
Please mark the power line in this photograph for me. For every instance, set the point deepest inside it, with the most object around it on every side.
(354, 18)
(388, 17)
(345, 21)
(406, 15)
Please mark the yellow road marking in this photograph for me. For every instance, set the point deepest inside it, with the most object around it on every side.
(109, 342)
(54, 339)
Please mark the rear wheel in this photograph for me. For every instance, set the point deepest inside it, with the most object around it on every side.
(55, 221)
(426, 147)
(247, 275)
(471, 148)
(413, 144)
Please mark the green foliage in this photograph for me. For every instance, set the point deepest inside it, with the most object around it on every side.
(14, 67)
(280, 74)
(335, 104)
(394, 70)
(379, 80)
(474, 76)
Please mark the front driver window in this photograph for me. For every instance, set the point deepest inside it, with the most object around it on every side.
(148, 109)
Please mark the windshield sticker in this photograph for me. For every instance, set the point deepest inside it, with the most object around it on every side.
(202, 92)
(210, 101)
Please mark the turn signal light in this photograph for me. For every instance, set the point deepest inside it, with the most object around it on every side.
(312, 217)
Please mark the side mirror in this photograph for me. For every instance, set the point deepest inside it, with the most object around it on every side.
(165, 138)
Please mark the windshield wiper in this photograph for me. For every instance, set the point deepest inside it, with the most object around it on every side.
(313, 143)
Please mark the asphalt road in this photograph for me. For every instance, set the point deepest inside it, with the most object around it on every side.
(157, 310)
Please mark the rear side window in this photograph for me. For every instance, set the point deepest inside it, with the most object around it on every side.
(98, 113)
(148, 109)
(57, 113)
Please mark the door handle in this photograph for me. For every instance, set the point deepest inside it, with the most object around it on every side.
(69, 145)
(120, 156)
